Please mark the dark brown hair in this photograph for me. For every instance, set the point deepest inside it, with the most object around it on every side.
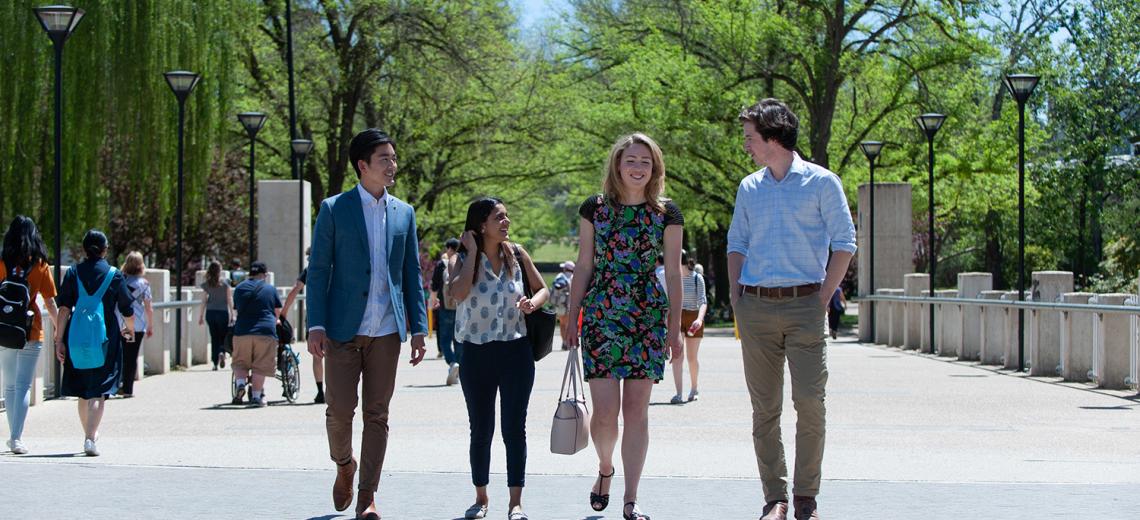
(773, 120)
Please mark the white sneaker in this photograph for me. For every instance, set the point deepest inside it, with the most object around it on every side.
(89, 448)
(453, 374)
(17, 447)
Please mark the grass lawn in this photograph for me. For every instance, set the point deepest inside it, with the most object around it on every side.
(555, 252)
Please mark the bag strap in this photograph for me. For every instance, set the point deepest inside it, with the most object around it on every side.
(572, 384)
(526, 283)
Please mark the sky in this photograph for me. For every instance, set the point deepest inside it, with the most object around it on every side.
(532, 11)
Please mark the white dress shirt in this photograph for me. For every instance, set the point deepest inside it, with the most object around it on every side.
(379, 317)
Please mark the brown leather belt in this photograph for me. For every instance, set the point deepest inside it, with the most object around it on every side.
(782, 292)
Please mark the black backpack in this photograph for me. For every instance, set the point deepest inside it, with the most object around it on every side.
(15, 313)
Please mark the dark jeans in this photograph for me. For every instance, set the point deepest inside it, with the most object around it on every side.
(130, 363)
(505, 367)
(219, 325)
(833, 316)
(452, 350)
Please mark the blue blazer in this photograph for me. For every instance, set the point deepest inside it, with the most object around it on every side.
(340, 268)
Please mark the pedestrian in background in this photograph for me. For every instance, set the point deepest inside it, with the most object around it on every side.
(91, 289)
(694, 305)
(318, 364)
(628, 321)
(560, 298)
(255, 334)
(487, 281)
(134, 271)
(445, 305)
(24, 262)
(217, 312)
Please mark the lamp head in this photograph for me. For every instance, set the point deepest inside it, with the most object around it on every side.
(252, 121)
(182, 83)
(871, 149)
(1020, 86)
(58, 20)
(302, 147)
(930, 123)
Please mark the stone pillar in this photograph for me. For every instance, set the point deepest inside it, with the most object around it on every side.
(915, 315)
(882, 320)
(1044, 352)
(993, 340)
(187, 330)
(1010, 356)
(897, 322)
(277, 226)
(1112, 361)
(1076, 339)
(970, 286)
(948, 324)
(199, 334)
(158, 350)
(892, 244)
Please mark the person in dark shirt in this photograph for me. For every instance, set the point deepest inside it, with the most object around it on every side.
(318, 364)
(93, 385)
(255, 333)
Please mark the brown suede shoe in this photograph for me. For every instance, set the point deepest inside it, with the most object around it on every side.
(805, 508)
(366, 507)
(776, 510)
(342, 487)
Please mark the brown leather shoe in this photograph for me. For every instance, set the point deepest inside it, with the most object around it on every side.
(366, 507)
(775, 510)
(805, 508)
(342, 487)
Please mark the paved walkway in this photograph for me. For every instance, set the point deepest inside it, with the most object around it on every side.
(908, 436)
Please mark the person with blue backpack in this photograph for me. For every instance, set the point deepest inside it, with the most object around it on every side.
(24, 273)
(87, 341)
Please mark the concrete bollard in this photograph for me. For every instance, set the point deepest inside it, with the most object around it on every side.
(199, 334)
(1076, 339)
(970, 286)
(948, 324)
(157, 349)
(864, 320)
(1044, 352)
(187, 332)
(915, 315)
(1112, 351)
(882, 319)
(897, 321)
(993, 340)
(1010, 354)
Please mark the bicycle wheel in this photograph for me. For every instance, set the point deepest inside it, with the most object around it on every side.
(291, 377)
(233, 385)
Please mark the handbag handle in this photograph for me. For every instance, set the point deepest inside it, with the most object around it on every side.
(572, 384)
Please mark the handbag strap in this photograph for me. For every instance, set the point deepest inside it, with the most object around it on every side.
(525, 282)
(572, 384)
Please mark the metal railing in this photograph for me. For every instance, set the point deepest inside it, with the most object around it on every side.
(1131, 306)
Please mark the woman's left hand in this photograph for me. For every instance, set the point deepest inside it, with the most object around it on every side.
(674, 343)
(525, 305)
(697, 324)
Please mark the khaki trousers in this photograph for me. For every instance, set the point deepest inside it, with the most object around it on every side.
(375, 360)
(771, 330)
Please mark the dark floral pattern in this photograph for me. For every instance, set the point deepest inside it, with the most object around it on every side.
(623, 322)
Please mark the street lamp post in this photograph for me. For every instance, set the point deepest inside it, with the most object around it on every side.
(1020, 86)
(182, 83)
(295, 169)
(58, 21)
(301, 149)
(930, 123)
(871, 149)
(252, 121)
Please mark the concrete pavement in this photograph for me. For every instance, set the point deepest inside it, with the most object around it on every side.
(908, 436)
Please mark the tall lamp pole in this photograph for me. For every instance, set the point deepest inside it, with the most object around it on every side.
(930, 123)
(295, 170)
(1021, 86)
(182, 83)
(301, 149)
(252, 121)
(58, 21)
(871, 149)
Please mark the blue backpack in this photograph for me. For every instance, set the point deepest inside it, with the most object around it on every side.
(87, 332)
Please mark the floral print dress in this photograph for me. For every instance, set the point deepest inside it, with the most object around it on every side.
(623, 321)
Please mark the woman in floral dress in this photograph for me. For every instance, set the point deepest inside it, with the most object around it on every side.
(626, 323)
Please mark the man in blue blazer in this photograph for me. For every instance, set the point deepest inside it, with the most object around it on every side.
(365, 298)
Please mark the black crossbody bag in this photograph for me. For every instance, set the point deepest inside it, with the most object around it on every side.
(541, 323)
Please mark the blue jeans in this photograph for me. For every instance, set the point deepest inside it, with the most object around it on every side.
(19, 368)
(452, 350)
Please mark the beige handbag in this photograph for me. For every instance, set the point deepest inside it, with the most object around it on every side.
(570, 432)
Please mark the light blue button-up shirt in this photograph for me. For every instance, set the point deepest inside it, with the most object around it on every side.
(379, 317)
(785, 228)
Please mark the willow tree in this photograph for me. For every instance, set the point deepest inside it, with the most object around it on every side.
(119, 116)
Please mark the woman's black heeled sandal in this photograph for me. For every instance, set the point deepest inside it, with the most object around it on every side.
(598, 501)
(634, 514)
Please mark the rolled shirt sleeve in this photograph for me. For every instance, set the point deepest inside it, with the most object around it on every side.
(837, 215)
(738, 230)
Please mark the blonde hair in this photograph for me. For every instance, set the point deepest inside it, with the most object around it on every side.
(133, 265)
(611, 183)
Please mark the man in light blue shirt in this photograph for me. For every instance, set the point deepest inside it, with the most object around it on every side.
(788, 217)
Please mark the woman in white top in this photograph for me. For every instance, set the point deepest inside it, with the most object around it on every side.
(487, 282)
(694, 304)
